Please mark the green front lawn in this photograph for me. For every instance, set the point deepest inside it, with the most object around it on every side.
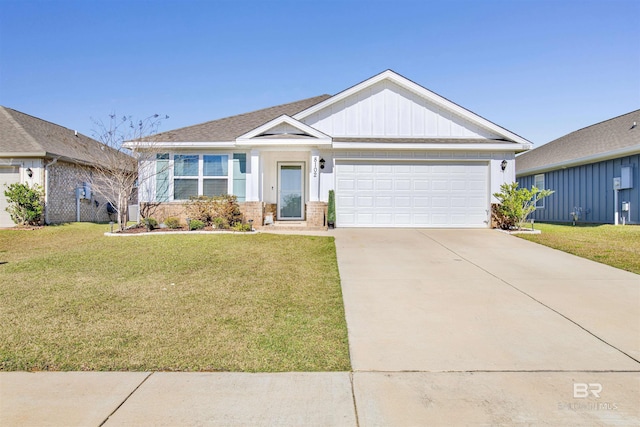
(617, 246)
(73, 299)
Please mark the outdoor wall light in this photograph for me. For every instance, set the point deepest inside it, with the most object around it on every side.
(29, 172)
(322, 162)
(503, 165)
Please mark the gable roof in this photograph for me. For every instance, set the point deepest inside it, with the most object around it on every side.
(434, 98)
(229, 128)
(611, 138)
(285, 128)
(22, 135)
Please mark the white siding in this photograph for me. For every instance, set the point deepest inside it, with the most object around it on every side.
(387, 110)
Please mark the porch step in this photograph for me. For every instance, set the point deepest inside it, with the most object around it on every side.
(293, 226)
(290, 223)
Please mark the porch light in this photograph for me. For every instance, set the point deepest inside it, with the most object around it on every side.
(29, 172)
(322, 162)
(503, 165)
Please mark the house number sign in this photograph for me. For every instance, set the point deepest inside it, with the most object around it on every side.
(315, 167)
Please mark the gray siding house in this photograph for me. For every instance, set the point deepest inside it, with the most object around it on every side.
(583, 168)
(35, 151)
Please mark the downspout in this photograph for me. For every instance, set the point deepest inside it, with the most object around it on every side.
(46, 189)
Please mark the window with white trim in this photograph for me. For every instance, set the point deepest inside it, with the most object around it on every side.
(185, 176)
(538, 182)
(208, 175)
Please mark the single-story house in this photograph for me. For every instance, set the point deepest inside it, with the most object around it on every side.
(35, 151)
(593, 171)
(396, 154)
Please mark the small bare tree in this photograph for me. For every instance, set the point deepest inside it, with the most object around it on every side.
(115, 176)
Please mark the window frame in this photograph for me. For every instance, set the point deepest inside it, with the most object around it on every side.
(200, 177)
(536, 180)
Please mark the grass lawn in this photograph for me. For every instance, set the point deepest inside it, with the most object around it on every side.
(617, 246)
(73, 299)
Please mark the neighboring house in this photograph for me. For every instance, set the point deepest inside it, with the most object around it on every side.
(396, 154)
(581, 167)
(35, 151)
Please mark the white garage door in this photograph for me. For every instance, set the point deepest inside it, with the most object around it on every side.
(401, 194)
(8, 175)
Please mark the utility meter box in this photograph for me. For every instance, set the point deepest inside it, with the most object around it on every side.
(626, 177)
(625, 206)
(616, 183)
(87, 190)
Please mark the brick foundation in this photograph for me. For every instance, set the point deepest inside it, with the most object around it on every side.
(316, 214)
(252, 211)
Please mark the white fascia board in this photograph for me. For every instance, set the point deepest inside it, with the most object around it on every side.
(421, 91)
(155, 144)
(426, 146)
(283, 119)
(302, 142)
(622, 152)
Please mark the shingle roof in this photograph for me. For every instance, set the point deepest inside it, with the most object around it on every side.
(25, 135)
(598, 140)
(229, 128)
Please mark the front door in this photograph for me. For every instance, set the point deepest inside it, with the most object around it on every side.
(290, 191)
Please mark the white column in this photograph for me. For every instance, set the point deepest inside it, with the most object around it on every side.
(314, 176)
(253, 184)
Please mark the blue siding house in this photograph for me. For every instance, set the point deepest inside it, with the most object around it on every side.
(594, 172)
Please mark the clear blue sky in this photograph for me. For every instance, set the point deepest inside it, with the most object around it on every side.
(538, 68)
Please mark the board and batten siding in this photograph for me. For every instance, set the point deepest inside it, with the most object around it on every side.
(589, 187)
(389, 110)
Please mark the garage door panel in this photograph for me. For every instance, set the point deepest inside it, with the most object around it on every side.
(420, 194)
(402, 184)
(384, 184)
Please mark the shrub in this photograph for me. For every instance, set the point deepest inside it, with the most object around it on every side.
(196, 224)
(242, 227)
(26, 204)
(150, 223)
(331, 208)
(206, 209)
(516, 204)
(219, 222)
(172, 223)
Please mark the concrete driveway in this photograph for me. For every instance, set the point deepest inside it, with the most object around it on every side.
(441, 317)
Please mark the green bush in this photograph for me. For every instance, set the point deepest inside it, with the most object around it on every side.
(516, 204)
(172, 223)
(219, 222)
(150, 223)
(242, 227)
(196, 224)
(331, 208)
(26, 204)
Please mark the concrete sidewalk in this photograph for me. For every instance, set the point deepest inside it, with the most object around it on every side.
(446, 327)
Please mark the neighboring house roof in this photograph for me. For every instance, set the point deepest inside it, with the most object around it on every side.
(609, 139)
(22, 135)
(230, 128)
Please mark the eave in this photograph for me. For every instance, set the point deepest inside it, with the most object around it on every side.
(486, 146)
(594, 158)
